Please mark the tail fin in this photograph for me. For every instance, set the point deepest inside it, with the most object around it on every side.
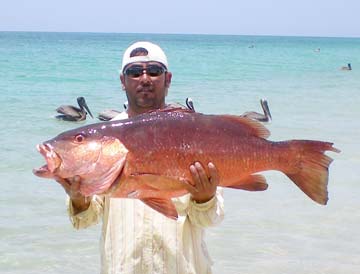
(312, 171)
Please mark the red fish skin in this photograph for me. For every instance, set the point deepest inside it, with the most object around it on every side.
(172, 141)
(148, 157)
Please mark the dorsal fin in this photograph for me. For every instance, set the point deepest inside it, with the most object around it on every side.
(251, 126)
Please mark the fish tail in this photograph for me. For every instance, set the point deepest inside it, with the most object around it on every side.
(311, 172)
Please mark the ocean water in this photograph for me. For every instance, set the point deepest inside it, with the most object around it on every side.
(278, 231)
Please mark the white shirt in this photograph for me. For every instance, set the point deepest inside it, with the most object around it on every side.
(139, 240)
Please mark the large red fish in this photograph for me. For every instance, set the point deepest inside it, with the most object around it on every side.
(148, 157)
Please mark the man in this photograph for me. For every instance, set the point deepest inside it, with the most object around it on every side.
(135, 238)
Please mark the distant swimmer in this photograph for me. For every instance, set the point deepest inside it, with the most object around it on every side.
(317, 50)
(348, 67)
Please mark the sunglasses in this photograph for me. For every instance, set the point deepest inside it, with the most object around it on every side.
(151, 70)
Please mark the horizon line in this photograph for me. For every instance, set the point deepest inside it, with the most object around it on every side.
(163, 33)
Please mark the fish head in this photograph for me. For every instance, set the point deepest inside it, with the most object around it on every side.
(87, 152)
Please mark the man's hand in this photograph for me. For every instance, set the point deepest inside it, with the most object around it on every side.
(72, 188)
(205, 185)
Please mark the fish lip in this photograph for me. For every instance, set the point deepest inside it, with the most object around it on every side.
(53, 160)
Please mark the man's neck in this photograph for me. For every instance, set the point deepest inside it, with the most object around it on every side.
(133, 112)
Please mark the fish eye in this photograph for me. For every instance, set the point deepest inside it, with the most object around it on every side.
(79, 138)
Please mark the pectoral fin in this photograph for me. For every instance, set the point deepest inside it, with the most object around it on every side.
(255, 182)
(164, 206)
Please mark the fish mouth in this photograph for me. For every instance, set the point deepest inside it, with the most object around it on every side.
(53, 161)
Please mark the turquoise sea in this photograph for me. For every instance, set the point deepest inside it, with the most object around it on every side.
(279, 231)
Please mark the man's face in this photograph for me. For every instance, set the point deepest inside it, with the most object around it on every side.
(146, 85)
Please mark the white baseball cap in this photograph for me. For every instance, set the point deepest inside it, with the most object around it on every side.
(152, 53)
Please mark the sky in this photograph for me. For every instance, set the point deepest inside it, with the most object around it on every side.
(331, 18)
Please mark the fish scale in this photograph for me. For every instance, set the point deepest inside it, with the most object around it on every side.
(148, 157)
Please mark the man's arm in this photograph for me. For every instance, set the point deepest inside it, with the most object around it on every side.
(205, 185)
(83, 211)
(207, 204)
(72, 187)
